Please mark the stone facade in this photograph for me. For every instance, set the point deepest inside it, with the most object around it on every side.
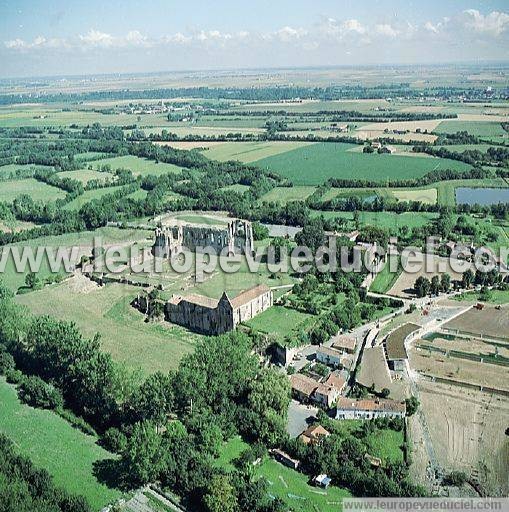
(236, 236)
(213, 317)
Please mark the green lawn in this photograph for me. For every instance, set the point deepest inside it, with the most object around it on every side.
(285, 483)
(53, 444)
(280, 321)
(314, 164)
(38, 191)
(84, 240)
(386, 444)
(384, 280)
(496, 297)
(138, 166)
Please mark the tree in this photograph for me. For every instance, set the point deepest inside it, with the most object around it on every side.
(445, 282)
(412, 404)
(142, 457)
(385, 393)
(422, 286)
(467, 278)
(220, 495)
(455, 478)
(435, 285)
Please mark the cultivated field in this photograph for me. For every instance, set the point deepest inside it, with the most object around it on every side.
(86, 175)
(248, 152)
(313, 165)
(489, 322)
(468, 433)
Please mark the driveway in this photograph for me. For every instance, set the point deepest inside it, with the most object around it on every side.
(299, 417)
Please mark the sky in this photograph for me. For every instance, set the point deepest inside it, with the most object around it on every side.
(74, 37)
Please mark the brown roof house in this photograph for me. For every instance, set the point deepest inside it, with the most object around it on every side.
(211, 316)
(303, 386)
(312, 435)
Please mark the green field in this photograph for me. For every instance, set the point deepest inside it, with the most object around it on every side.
(138, 166)
(314, 164)
(389, 220)
(248, 152)
(38, 191)
(478, 128)
(285, 483)
(280, 321)
(53, 444)
(90, 195)
(285, 195)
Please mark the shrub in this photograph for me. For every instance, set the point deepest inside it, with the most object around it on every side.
(114, 440)
(34, 391)
(6, 363)
(13, 376)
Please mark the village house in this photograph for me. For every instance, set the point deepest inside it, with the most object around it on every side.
(329, 356)
(313, 435)
(303, 387)
(336, 380)
(348, 409)
(344, 343)
(326, 395)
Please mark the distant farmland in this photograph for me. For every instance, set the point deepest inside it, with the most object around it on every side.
(314, 164)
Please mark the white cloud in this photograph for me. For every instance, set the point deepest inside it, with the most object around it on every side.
(432, 28)
(386, 30)
(352, 26)
(95, 38)
(287, 34)
(495, 23)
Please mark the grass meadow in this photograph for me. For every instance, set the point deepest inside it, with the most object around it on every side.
(53, 444)
(38, 191)
(124, 333)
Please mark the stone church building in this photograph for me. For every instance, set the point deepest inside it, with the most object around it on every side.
(211, 316)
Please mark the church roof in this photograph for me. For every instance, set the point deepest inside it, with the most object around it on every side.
(248, 295)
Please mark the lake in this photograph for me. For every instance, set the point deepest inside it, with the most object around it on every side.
(468, 195)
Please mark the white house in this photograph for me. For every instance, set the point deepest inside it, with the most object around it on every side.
(348, 409)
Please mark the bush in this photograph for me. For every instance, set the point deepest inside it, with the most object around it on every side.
(76, 421)
(35, 392)
(6, 363)
(114, 440)
(13, 376)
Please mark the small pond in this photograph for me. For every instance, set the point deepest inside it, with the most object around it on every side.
(485, 196)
